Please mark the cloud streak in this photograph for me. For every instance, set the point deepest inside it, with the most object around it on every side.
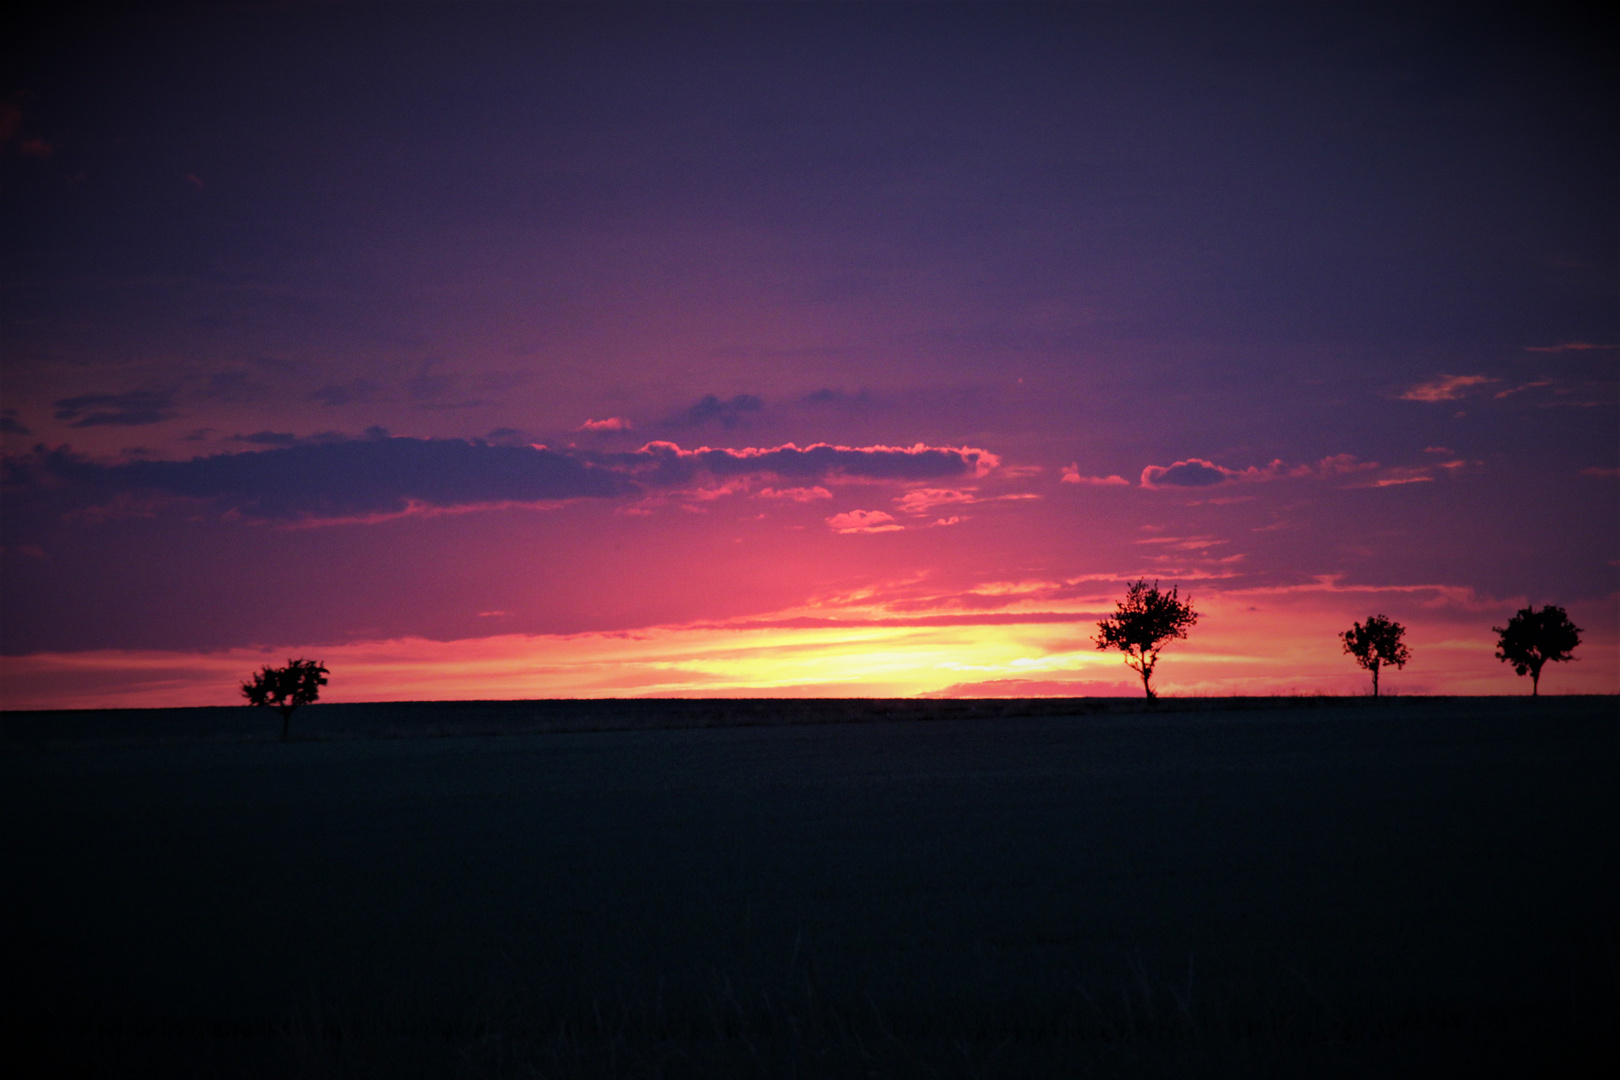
(1569, 346)
(326, 479)
(864, 521)
(353, 478)
(1446, 388)
(136, 408)
(1200, 473)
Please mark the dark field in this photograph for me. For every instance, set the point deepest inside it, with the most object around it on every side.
(1215, 887)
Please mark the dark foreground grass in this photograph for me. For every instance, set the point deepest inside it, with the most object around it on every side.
(61, 728)
(1426, 888)
(1139, 1027)
(1137, 1030)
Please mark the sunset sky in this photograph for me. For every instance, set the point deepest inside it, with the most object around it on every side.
(607, 350)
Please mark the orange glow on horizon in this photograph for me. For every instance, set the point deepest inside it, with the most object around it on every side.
(1256, 642)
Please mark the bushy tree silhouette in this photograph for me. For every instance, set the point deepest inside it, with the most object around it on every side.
(1142, 624)
(286, 688)
(1532, 638)
(1376, 644)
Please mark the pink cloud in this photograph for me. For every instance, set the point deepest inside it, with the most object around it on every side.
(1445, 388)
(1071, 475)
(922, 500)
(795, 494)
(612, 423)
(864, 521)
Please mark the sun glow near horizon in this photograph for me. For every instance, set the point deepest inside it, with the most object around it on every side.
(1287, 645)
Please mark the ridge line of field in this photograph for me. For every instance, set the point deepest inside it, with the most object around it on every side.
(431, 719)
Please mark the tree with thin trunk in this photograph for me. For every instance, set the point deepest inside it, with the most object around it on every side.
(1376, 644)
(1532, 638)
(1143, 623)
(284, 689)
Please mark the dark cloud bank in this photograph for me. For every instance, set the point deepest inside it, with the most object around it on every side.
(134, 409)
(384, 475)
(663, 464)
(1194, 472)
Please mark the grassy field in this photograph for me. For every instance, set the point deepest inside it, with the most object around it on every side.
(1214, 887)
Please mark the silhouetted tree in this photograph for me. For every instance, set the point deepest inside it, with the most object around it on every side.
(1376, 644)
(284, 689)
(1531, 638)
(1142, 624)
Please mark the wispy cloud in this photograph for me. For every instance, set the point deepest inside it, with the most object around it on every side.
(1446, 388)
(922, 500)
(1568, 346)
(1184, 543)
(864, 521)
(133, 409)
(710, 409)
(1510, 391)
(1400, 475)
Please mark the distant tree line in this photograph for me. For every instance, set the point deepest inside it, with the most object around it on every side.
(1148, 619)
(1142, 624)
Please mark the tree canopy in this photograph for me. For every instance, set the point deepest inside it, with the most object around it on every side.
(286, 688)
(1532, 638)
(1142, 624)
(1376, 644)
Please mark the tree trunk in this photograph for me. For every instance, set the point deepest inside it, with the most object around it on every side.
(1535, 682)
(1146, 687)
(1375, 680)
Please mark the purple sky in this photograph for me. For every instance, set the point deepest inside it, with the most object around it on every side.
(401, 329)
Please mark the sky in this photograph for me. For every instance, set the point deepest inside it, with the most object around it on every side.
(519, 351)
